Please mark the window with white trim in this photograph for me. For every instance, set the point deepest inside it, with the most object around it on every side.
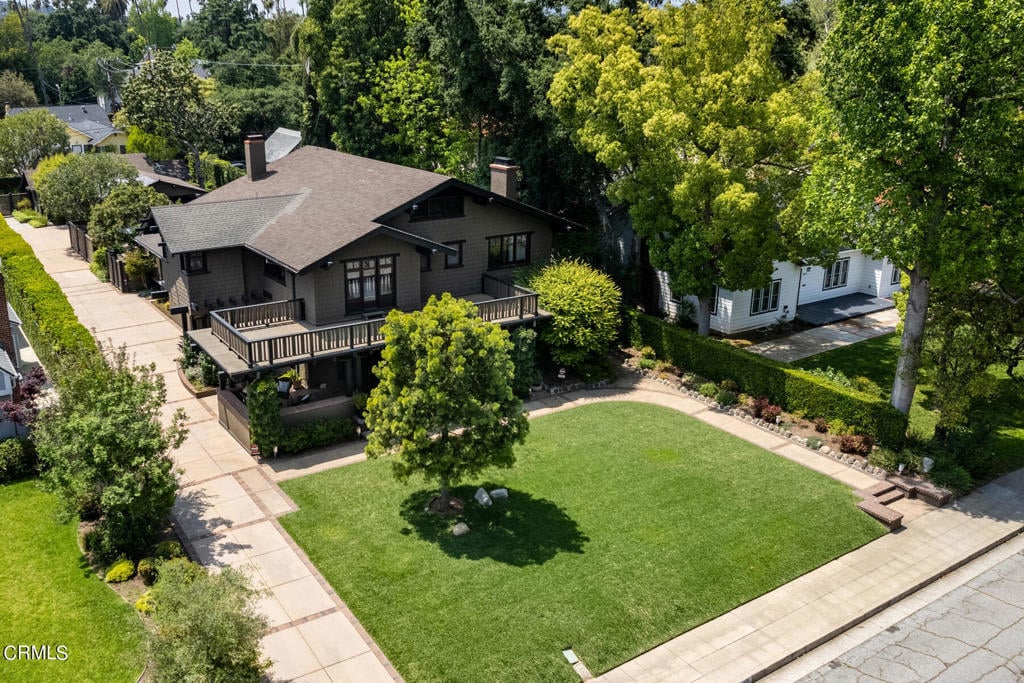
(714, 299)
(894, 279)
(836, 275)
(766, 299)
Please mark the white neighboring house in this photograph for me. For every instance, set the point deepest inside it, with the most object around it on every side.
(793, 287)
(10, 359)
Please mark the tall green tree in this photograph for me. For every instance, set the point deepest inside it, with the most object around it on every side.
(687, 110)
(79, 182)
(166, 99)
(222, 26)
(151, 24)
(106, 452)
(112, 222)
(923, 146)
(16, 91)
(27, 138)
(445, 407)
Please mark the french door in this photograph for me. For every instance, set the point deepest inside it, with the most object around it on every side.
(369, 284)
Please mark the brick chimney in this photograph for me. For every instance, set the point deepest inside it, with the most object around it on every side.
(6, 334)
(505, 178)
(255, 157)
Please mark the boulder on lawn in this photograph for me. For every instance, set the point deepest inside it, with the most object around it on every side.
(483, 498)
(460, 529)
(499, 494)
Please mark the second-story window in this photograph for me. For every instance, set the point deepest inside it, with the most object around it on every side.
(506, 251)
(194, 262)
(274, 271)
(436, 208)
(453, 260)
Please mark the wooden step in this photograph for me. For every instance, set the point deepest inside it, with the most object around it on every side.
(887, 516)
(890, 496)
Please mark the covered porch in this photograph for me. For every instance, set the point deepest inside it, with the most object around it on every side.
(263, 336)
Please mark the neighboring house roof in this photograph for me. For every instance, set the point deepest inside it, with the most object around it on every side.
(149, 173)
(7, 365)
(15, 320)
(222, 224)
(310, 204)
(90, 120)
(281, 143)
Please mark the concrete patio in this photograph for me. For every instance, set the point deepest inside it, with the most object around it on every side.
(827, 337)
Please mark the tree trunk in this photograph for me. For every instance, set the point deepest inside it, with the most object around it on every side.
(197, 158)
(703, 316)
(910, 344)
(444, 499)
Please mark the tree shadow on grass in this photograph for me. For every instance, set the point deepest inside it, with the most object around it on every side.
(519, 531)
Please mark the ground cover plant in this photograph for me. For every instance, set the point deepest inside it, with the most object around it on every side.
(1000, 418)
(626, 524)
(51, 597)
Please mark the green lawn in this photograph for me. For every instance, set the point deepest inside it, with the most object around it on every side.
(626, 525)
(50, 597)
(1003, 447)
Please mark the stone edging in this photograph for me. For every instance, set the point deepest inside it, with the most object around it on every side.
(188, 385)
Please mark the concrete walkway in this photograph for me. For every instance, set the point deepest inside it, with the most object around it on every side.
(827, 337)
(227, 507)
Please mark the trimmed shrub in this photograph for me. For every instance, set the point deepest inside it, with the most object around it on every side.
(820, 425)
(646, 363)
(864, 384)
(326, 432)
(585, 305)
(647, 352)
(953, 477)
(784, 385)
(729, 385)
(840, 428)
(265, 427)
(859, 444)
(708, 389)
(147, 570)
(524, 357)
(726, 398)
(145, 603)
(17, 460)
(771, 412)
(814, 443)
(98, 264)
(47, 318)
(119, 572)
(168, 550)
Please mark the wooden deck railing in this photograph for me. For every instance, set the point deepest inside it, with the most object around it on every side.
(512, 302)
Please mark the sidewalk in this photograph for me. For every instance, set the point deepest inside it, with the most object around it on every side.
(227, 507)
(827, 337)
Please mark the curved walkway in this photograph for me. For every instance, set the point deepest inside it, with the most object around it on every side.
(228, 505)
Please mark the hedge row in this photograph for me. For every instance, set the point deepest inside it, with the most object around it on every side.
(47, 318)
(759, 376)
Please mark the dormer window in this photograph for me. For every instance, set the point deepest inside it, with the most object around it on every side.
(437, 208)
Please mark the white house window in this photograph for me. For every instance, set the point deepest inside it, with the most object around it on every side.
(766, 299)
(895, 279)
(837, 274)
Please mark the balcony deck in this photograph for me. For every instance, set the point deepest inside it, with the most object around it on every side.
(274, 334)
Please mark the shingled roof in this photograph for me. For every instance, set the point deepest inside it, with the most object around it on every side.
(216, 225)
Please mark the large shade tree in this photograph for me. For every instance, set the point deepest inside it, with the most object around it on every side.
(686, 108)
(445, 407)
(166, 99)
(923, 147)
(27, 138)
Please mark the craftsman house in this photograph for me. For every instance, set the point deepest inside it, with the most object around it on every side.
(88, 125)
(296, 264)
(853, 285)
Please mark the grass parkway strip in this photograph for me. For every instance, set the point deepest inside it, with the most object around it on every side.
(626, 525)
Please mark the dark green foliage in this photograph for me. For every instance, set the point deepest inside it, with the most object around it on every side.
(98, 264)
(17, 460)
(725, 397)
(112, 222)
(47, 318)
(147, 570)
(80, 182)
(215, 171)
(786, 386)
(208, 370)
(120, 571)
(105, 450)
(207, 628)
(168, 550)
(814, 443)
(524, 357)
(953, 477)
(265, 429)
(326, 432)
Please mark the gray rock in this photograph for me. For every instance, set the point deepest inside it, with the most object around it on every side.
(499, 494)
(927, 464)
(826, 450)
(460, 529)
(481, 497)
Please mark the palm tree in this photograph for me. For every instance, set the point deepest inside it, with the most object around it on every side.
(115, 9)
